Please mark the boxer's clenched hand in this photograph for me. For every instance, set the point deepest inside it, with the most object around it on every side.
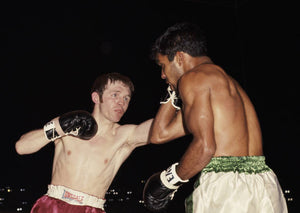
(160, 188)
(78, 123)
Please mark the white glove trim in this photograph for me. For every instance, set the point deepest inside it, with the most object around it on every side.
(50, 126)
(170, 178)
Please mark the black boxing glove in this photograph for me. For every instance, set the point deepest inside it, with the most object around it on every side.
(160, 188)
(171, 96)
(78, 123)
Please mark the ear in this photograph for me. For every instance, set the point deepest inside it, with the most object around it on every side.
(95, 97)
(179, 57)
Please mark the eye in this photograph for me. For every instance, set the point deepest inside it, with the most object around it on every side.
(114, 95)
(126, 99)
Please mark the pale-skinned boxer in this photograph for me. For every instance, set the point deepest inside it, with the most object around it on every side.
(227, 141)
(89, 148)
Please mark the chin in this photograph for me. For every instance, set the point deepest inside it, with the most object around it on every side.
(117, 119)
(173, 87)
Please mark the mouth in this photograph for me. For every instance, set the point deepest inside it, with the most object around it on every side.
(119, 111)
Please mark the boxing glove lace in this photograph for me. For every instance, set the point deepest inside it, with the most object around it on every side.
(171, 96)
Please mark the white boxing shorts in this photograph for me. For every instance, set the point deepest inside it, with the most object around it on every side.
(236, 185)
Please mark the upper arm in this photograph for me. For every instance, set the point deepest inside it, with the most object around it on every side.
(195, 92)
(139, 134)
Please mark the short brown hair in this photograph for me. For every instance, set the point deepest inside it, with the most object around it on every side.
(103, 79)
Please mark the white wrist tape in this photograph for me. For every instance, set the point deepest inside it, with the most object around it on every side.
(172, 97)
(50, 131)
(170, 178)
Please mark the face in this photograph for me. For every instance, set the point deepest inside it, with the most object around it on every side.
(115, 101)
(170, 70)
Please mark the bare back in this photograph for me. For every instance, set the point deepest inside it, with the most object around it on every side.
(236, 127)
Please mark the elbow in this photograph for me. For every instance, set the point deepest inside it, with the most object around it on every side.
(210, 149)
(154, 139)
(206, 156)
(18, 148)
(158, 138)
(209, 152)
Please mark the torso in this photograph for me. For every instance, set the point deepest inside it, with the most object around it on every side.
(236, 128)
(90, 166)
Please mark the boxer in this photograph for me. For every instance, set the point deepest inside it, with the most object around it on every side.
(226, 149)
(89, 148)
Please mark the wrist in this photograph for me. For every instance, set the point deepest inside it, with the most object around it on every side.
(53, 130)
(58, 127)
(170, 178)
(171, 97)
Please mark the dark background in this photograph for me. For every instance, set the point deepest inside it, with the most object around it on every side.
(52, 51)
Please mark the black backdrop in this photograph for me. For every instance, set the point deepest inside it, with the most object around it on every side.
(52, 51)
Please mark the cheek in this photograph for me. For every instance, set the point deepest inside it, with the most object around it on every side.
(107, 101)
(125, 107)
(173, 67)
(105, 105)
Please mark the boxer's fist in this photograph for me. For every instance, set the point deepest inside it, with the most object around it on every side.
(79, 123)
(156, 195)
(160, 188)
(171, 96)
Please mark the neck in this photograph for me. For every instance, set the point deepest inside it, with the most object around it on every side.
(196, 61)
(104, 125)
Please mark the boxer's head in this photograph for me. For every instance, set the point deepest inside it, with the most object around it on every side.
(180, 41)
(181, 37)
(104, 79)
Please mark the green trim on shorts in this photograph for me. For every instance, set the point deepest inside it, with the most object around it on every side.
(244, 164)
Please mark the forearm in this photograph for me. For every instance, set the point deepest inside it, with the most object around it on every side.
(167, 124)
(34, 140)
(196, 157)
(78, 123)
(31, 142)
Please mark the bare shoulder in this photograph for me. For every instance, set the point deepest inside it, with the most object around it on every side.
(202, 77)
(122, 130)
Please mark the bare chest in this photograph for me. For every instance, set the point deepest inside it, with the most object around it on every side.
(98, 152)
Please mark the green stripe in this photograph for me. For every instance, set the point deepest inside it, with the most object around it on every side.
(244, 164)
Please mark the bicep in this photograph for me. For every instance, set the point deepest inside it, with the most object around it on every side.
(198, 113)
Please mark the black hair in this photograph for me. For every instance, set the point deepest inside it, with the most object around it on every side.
(185, 37)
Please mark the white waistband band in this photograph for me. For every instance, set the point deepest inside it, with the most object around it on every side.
(74, 197)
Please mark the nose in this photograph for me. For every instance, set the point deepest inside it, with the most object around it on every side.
(162, 75)
(121, 101)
